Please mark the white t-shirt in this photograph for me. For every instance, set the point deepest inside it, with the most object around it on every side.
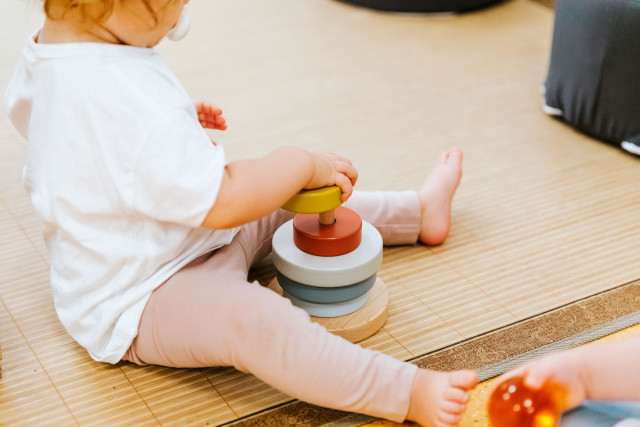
(121, 173)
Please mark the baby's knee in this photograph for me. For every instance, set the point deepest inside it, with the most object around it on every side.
(262, 325)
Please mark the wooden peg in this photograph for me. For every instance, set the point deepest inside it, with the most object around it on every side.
(327, 218)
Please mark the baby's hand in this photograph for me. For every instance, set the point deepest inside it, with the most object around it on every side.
(332, 169)
(210, 116)
(562, 368)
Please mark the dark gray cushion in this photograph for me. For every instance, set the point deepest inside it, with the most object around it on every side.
(424, 6)
(594, 72)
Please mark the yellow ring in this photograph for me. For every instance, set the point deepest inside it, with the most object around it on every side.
(315, 201)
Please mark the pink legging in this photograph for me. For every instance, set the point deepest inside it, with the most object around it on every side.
(208, 314)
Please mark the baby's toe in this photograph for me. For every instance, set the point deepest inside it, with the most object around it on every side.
(448, 419)
(465, 380)
(456, 395)
(453, 408)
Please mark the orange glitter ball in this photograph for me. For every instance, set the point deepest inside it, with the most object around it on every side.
(512, 404)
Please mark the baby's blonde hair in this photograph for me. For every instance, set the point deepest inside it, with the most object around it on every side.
(100, 9)
(56, 9)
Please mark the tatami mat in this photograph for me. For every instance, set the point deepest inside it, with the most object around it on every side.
(544, 215)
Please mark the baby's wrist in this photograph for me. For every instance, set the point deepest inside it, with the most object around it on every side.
(580, 359)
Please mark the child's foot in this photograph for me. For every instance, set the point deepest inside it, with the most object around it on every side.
(438, 399)
(436, 196)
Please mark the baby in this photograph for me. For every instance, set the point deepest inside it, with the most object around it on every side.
(151, 232)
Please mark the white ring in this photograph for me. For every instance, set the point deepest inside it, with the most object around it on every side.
(342, 270)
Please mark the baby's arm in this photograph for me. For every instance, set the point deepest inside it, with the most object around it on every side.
(253, 188)
(596, 371)
(612, 369)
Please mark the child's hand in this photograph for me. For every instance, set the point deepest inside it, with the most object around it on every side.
(332, 169)
(565, 369)
(210, 116)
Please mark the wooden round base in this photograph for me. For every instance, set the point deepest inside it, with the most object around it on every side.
(360, 324)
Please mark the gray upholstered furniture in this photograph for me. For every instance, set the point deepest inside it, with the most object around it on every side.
(594, 73)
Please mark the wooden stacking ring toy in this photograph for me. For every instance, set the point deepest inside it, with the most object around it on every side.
(342, 270)
(339, 238)
(325, 295)
(327, 264)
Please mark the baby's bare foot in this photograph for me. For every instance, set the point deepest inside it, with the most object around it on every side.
(436, 196)
(438, 399)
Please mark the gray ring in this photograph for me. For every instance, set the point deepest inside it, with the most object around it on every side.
(325, 295)
(329, 310)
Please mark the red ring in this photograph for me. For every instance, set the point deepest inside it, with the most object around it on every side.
(339, 238)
